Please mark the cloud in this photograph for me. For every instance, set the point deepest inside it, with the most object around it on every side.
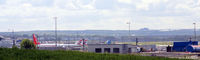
(2, 2)
(125, 1)
(145, 4)
(39, 3)
(105, 4)
(86, 4)
(98, 14)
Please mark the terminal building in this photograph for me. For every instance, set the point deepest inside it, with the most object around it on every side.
(113, 48)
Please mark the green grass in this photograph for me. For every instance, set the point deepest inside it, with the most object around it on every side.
(18, 54)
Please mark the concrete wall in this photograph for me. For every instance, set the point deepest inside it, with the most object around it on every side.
(123, 48)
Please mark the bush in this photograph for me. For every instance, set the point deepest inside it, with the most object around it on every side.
(15, 47)
(27, 44)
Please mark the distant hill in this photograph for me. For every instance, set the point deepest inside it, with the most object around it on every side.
(141, 32)
(144, 35)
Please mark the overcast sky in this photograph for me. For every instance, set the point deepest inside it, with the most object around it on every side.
(26, 15)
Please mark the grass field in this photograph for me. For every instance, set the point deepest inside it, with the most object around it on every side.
(17, 54)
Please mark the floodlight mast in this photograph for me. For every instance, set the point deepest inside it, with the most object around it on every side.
(56, 38)
(195, 34)
(129, 29)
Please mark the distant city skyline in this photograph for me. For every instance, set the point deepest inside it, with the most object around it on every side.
(27, 15)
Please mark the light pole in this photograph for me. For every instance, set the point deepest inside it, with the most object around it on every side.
(195, 35)
(56, 30)
(13, 37)
(129, 29)
(83, 44)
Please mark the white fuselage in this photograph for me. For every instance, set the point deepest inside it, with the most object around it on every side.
(57, 45)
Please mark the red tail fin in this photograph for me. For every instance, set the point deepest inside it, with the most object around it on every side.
(81, 42)
(35, 41)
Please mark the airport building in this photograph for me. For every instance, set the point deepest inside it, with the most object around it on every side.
(190, 46)
(113, 48)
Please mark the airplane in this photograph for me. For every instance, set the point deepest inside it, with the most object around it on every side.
(77, 43)
(108, 42)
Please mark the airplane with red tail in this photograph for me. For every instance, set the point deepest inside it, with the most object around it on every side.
(38, 44)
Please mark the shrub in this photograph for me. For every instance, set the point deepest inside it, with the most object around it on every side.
(15, 47)
(27, 44)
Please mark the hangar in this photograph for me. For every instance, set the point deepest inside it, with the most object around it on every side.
(113, 48)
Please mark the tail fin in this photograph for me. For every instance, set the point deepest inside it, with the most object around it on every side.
(80, 42)
(108, 42)
(35, 41)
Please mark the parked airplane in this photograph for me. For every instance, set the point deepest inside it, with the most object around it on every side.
(38, 44)
(108, 42)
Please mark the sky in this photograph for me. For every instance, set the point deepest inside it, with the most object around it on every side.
(27, 15)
